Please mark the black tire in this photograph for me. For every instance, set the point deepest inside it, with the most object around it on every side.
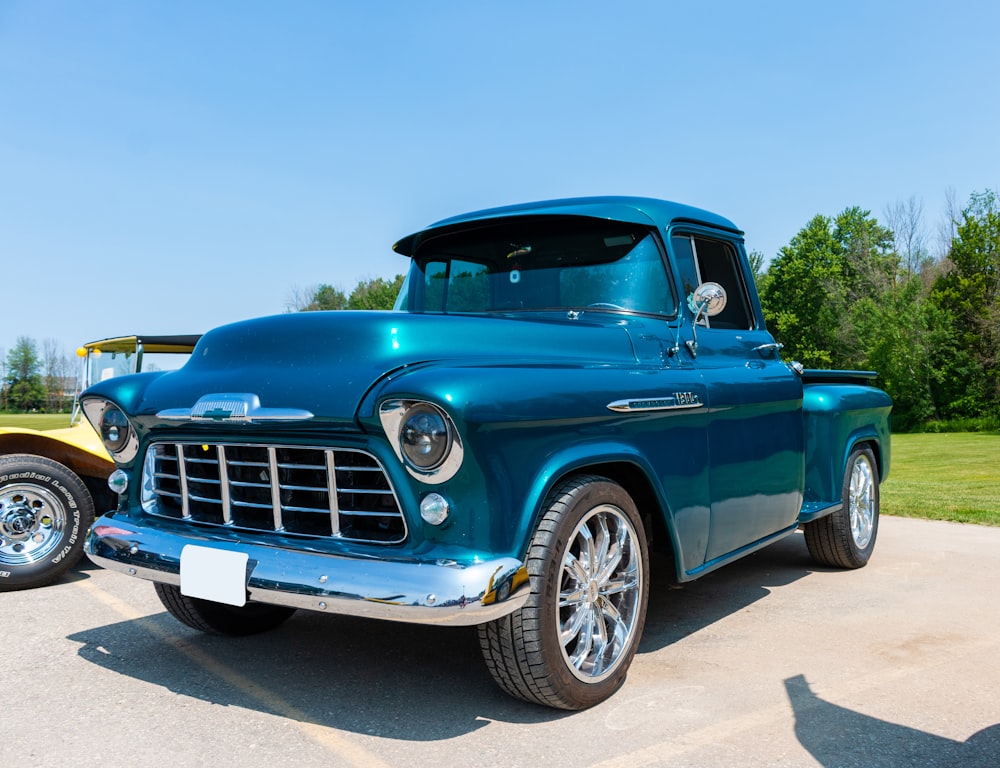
(846, 538)
(577, 592)
(218, 618)
(45, 511)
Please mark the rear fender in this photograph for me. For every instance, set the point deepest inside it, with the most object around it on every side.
(837, 419)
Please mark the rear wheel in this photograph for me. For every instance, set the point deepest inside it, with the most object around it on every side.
(571, 644)
(846, 538)
(45, 511)
(219, 618)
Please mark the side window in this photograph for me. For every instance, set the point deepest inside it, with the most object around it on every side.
(716, 261)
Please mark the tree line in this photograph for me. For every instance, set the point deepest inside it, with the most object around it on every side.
(33, 380)
(849, 291)
(373, 293)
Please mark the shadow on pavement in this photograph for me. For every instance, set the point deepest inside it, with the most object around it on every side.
(840, 738)
(392, 680)
(679, 610)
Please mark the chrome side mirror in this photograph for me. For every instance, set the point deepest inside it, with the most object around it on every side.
(707, 300)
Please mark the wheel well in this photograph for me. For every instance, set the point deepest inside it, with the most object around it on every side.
(92, 470)
(637, 484)
(877, 450)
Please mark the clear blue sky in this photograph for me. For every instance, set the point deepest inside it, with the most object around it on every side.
(173, 166)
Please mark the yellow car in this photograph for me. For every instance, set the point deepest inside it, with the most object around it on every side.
(51, 480)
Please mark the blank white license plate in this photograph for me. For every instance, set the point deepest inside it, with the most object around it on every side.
(218, 575)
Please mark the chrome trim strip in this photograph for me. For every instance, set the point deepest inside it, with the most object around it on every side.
(676, 402)
(182, 479)
(437, 592)
(272, 467)
(224, 490)
(331, 488)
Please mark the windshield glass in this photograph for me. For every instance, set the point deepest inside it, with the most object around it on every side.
(102, 365)
(540, 264)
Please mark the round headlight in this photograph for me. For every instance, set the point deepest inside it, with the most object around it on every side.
(114, 429)
(425, 436)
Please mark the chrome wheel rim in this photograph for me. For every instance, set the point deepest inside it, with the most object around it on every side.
(862, 502)
(599, 593)
(32, 521)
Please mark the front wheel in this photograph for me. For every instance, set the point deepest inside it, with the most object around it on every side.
(846, 538)
(218, 618)
(45, 510)
(572, 642)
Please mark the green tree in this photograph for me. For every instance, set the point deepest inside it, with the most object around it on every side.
(327, 297)
(25, 389)
(828, 267)
(841, 295)
(897, 334)
(968, 291)
(376, 293)
(867, 251)
(803, 295)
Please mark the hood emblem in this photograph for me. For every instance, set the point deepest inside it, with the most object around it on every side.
(233, 408)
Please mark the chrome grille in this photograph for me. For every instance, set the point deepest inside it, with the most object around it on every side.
(336, 492)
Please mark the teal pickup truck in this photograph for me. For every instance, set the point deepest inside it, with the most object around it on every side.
(563, 387)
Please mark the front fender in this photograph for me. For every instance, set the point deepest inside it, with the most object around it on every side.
(684, 518)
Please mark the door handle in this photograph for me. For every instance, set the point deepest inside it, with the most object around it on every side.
(773, 347)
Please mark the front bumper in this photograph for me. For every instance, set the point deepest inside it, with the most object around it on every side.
(422, 592)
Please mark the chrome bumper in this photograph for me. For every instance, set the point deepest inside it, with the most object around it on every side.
(421, 592)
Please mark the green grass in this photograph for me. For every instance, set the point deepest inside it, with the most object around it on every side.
(953, 476)
(34, 420)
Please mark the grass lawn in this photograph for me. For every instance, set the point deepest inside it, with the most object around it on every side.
(938, 477)
(945, 477)
(34, 420)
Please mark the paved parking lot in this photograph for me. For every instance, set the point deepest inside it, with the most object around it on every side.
(769, 662)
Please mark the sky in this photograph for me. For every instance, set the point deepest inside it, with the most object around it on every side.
(168, 167)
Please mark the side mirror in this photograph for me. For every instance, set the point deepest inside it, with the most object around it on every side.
(708, 300)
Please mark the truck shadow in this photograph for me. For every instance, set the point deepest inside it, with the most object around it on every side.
(678, 610)
(841, 738)
(393, 680)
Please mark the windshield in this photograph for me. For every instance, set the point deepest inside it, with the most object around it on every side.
(101, 365)
(517, 264)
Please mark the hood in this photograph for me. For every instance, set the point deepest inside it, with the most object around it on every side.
(325, 362)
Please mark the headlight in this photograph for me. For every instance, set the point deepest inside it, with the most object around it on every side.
(424, 438)
(114, 428)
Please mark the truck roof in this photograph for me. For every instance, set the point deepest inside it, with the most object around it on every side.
(638, 210)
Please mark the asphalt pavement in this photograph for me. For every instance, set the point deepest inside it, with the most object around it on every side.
(769, 662)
